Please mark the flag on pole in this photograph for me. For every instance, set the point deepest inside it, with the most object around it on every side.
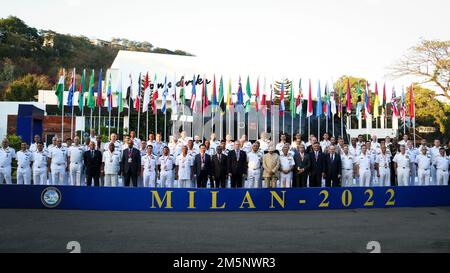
(129, 93)
(367, 102)
(214, 95)
(205, 99)
(349, 98)
(340, 102)
(194, 95)
(326, 105)
(394, 107)
(223, 106)
(155, 95)
(91, 101)
(71, 89)
(164, 97)
(59, 92)
(376, 103)
(282, 108)
(119, 94)
(240, 97)
(109, 92)
(310, 103)
(271, 99)
(82, 90)
(383, 105)
(299, 100)
(403, 108)
(173, 97)
(257, 99)
(182, 93)
(100, 89)
(147, 92)
(412, 108)
(319, 108)
(137, 101)
(359, 101)
(247, 96)
(292, 101)
(332, 105)
(264, 99)
(229, 100)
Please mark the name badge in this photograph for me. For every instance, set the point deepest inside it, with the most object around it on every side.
(130, 160)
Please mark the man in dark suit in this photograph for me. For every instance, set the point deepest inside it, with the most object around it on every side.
(202, 167)
(302, 165)
(93, 163)
(130, 165)
(219, 168)
(317, 169)
(237, 165)
(333, 168)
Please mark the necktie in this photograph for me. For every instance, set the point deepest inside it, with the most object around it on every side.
(92, 153)
(237, 154)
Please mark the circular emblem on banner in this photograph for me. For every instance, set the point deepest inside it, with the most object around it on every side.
(51, 197)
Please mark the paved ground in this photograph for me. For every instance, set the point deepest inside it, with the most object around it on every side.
(397, 230)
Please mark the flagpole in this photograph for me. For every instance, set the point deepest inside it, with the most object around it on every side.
(139, 122)
(156, 117)
(326, 120)
(84, 119)
(332, 124)
(146, 124)
(109, 123)
(292, 128)
(99, 118)
(309, 126)
(118, 121)
(318, 129)
(62, 119)
(71, 122)
(165, 124)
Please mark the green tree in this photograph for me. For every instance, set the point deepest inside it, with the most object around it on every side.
(26, 88)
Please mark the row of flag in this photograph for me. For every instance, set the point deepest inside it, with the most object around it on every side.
(330, 104)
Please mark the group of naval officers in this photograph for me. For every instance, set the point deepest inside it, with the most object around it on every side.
(186, 163)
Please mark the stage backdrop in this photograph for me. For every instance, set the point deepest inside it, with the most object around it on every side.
(147, 199)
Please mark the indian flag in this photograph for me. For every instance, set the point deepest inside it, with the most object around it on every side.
(60, 89)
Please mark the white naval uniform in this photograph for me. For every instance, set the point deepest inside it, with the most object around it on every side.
(279, 147)
(58, 165)
(286, 163)
(136, 143)
(247, 147)
(149, 175)
(347, 169)
(412, 156)
(184, 164)
(354, 151)
(403, 168)
(434, 153)
(76, 167)
(254, 162)
(383, 161)
(441, 163)
(6, 156)
(24, 160)
(166, 173)
(424, 163)
(49, 174)
(229, 146)
(263, 145)
(324, 144)
(40, 168)
(175, 148)
(158, 148)
(117, 146)
(111, 167)
(365, 163)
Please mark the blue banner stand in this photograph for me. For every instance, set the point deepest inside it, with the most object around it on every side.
(148, 199)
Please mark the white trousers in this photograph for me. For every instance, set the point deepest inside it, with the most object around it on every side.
(149, 179)
(58, 175)
(365, 176)
(433, 176)
(253, 179)
(75, 171)
(441, 177)
(403, 176)
(184, 183)
(111, 180)
(423, 177)
(40, 177)
(347, 178)
(24, 176)
(385, 177)
(286, 180)
(166, 178)
(412, 178)
(5, 174)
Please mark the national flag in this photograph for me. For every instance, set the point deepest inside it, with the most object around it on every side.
(326, 106)
(119, 94)
(129, 93)
(367, 102)
(247, 96)
(319, 108)
(403, 108)
(82, 90)
(173, 97)
(100, 89)
(349, 98)
(59, 92)
(332, 100)
(282, 108)
(257, 99)
(309, 111)
(194, 96)
(340, 102)
(222, 103)
(155, 95)
(164, 96)
(412, 107)
(147, 92)
(359, 101)
(383, 106)
(292, 101)
(182, 93)
(229, 99)
(71, 89)
(240, 96)
(109, 92)
(214, 95)
(205, 99)
(91, 100)
(264, 99)
(394, 107)
(137, 101)
(299, 101)
(376, 103)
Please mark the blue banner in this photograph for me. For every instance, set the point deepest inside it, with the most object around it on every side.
(147, 199)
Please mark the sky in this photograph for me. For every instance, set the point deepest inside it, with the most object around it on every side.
(318, 39)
